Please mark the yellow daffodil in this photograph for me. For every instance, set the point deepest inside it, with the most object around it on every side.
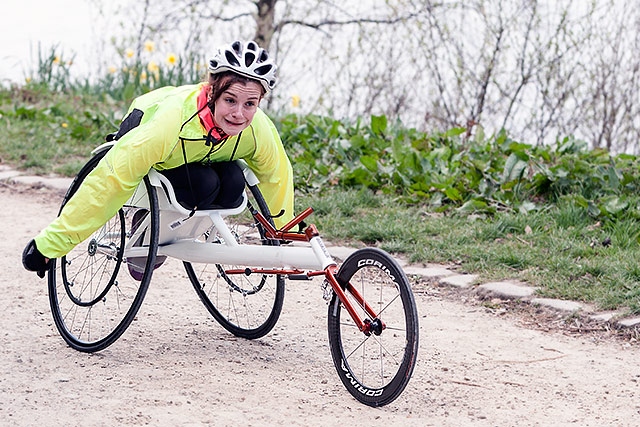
(149, 46)
(56, 60)
(65, 125)
(112, 69)
(171, 59)
(27, 80)
(295, 101)
(129, 53)
(152, 67)
(143, 76)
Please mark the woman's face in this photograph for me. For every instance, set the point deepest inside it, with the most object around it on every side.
(236, 106)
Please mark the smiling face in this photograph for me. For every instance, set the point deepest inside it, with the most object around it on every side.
(236, 106)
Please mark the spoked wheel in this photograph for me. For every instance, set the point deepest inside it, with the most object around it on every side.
(247, 306)
(374, 367)
(96, 290)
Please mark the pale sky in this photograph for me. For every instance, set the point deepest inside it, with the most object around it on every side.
(25, 23)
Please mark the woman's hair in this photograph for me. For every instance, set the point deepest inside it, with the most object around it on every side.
(223, 81)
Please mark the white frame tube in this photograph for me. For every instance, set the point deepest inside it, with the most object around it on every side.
(293, 257)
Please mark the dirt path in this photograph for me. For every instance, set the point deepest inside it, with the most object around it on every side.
(176, 367)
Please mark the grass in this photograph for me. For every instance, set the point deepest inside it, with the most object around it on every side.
(45, 132)
(560, 250)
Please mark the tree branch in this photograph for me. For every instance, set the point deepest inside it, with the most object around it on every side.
(319, 25)
(217, 17)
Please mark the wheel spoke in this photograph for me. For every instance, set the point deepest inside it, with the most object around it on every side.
(93, 295)
(247, 306)
(375, 369)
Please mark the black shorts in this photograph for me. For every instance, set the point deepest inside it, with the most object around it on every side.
(215, 186)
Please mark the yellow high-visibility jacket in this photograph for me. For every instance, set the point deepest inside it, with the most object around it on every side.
(169, 118)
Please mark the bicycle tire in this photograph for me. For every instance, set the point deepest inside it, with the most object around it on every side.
(248, 306)
(95, 291)
(375, 369)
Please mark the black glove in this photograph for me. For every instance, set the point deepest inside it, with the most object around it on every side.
(33, 260)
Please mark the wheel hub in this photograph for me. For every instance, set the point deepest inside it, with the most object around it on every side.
(374, 326)
(93, 247)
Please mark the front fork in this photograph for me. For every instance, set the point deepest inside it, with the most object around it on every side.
(367, 325)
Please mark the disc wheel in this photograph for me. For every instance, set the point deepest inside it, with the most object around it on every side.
(375, 366)
(248, 306)
(96, 290)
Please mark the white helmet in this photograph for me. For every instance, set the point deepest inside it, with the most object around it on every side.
(247, 59)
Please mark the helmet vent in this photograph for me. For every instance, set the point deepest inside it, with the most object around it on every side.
(231, 59)
(261, 71)
(249, 57)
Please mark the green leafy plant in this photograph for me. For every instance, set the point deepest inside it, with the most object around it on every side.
(453, 174)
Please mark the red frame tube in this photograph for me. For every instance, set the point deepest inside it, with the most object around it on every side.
(329, 273)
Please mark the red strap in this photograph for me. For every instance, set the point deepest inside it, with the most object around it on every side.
(206, 118)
